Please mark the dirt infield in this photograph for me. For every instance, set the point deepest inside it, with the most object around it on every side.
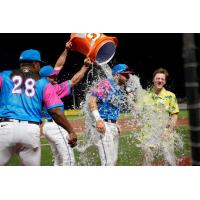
(125, 124)
(183, 161)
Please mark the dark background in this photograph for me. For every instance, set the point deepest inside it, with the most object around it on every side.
(141, 52)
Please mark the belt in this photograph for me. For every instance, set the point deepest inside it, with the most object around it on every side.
(16, 120)
(110, 120)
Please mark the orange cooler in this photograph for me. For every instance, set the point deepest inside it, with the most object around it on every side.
(97, 46)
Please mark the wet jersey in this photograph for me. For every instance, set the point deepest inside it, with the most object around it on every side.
(109, 98)
(23, 96)
(165, 101)
(62, 90)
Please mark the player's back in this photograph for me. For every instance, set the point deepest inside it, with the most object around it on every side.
(21, 95)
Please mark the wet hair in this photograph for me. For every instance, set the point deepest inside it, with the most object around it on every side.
(161, 71)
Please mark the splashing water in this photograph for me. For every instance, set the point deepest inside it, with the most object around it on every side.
(95, 75)
(149, 138)
(152, 121)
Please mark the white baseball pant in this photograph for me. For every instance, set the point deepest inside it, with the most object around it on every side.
(57, 137)
(24, 133)
(107, 144)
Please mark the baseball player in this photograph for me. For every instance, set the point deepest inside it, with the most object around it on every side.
(104, 105)
(22, 94)
(62, 152)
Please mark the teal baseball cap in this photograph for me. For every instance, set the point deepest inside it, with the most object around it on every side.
(120, 69)
(48, 70)
(31, 55)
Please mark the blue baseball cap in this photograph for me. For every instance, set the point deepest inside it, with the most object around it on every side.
(120, 68)
(48, 70)
(30, 55)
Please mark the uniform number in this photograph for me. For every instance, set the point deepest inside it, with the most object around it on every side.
(29, 86)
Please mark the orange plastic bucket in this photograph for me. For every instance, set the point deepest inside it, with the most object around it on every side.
(97, 46)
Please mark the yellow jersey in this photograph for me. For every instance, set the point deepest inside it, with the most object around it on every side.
(155, 112)
(165, 101)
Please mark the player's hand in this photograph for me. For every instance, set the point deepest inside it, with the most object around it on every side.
(18, 148)
(68, 46)
(88, 62)
(72, 139)
(100, 126)
(166, 135)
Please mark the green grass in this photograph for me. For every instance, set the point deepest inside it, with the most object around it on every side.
(183, 114)
(76, 116)
(129, 153)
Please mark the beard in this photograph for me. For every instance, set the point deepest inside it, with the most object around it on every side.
(122, 81)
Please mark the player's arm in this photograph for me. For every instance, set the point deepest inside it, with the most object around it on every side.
(170, 127)
(59, 117)
(99, 93)
(173, 121)
(62, 59)
(81, 73)
(93, 104)
(100, 125)
(63, 89)
(53, 103)
(174, 110)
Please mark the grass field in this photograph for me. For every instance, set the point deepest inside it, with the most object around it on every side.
(129, 153)
(76, 114)
(183, 114)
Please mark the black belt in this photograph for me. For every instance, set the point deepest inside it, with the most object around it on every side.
(110, 120)
(16, 120)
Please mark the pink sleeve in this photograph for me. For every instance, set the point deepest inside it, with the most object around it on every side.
(0, 81)
(50, 97)
(101, 91)
(63, 89)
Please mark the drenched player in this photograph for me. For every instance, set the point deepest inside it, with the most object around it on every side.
(159, 114)
(104, 105)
